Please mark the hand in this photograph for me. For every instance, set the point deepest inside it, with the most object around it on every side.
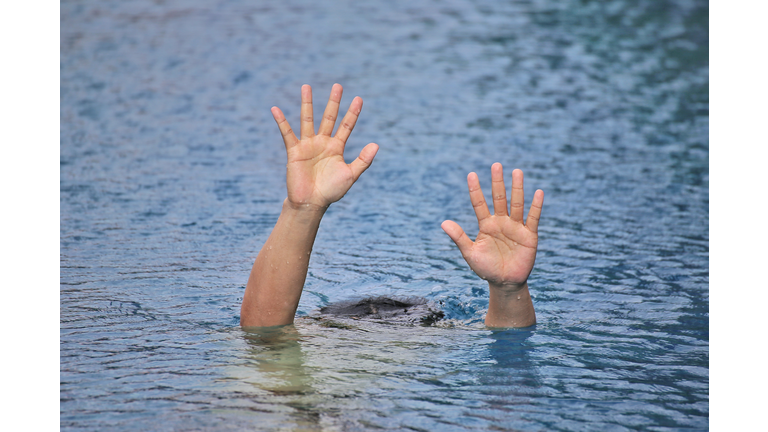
(505, 249)
(317, 174)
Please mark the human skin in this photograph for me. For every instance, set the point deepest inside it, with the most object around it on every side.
(505, 249)
(317, 176)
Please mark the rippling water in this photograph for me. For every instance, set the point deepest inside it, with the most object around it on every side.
(172, 175)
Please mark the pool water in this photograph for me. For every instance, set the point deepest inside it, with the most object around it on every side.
(172, 176)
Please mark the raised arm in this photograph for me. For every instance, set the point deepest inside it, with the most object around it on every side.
(505, 249)
(317, 176)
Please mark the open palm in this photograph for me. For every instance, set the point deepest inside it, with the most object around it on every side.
(317, 174)
(505, 249)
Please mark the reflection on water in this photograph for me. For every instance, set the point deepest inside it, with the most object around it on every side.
(276, 364)
(276, 353)
(512, 380)
(361, 374)
(511, 351)
(172, 176)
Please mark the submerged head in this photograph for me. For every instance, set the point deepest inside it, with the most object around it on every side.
(406, 310)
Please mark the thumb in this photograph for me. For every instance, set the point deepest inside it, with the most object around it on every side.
(364, 160)
(458, 236)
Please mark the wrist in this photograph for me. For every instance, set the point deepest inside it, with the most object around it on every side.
(508, 288)
(308, 208)
(510, 309)
(302, 213)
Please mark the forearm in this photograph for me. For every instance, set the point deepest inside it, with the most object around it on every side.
(510, 307)
(278, 274)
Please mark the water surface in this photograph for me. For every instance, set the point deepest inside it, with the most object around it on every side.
(172, 176)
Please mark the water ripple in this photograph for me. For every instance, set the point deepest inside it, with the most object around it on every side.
(172, 177)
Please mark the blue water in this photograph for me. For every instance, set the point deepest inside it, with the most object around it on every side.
(172, 176)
